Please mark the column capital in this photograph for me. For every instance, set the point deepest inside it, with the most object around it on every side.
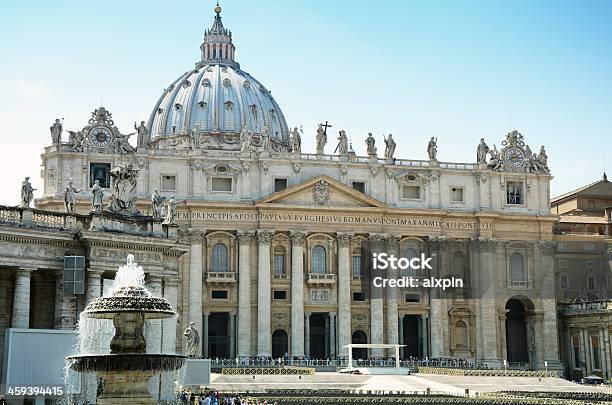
(206, 314)
(94, 273)
(306, 314)
(25, 271)
(393, 241)
(192, 236)
(332, 314)
(297, 237)
(484, 244)
(378, 237)
(344, 238)
(264, 237)
(547, 247)
(245, 236)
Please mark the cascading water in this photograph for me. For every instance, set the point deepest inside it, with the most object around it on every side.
(112, 339)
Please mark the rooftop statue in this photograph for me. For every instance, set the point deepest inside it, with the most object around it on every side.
(481, 151)
(56, 132)
(27, 193)
(246, 140)
(143, 134)
(70, 197)
(321, 139)
(170, 213)
(124, 188)
(432, 148)
(296, 141)
(97, 196)
(389, 147)
(265, 138)
(342, 148)
(371, 145)
(75, 140)
(157, 205)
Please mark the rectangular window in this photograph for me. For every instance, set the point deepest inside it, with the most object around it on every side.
(280, 294)
(74, 275)
(221, 184)
(562, 263)
(100, 172)
(412, 298)
(280, 184)
(219, 294)
(457, 194)
(279, 264)
(563, 282)
(359, 186)
(576, 350)
(168, 183)
(514, 193)
(411, 192)
(596, 353)
(356, 265)
(591, 283)
(358, 296)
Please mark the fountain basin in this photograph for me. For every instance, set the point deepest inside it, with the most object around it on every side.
(125, 362)
(108, 307)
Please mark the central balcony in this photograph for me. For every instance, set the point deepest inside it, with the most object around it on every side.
(321, 279)
(220, 277)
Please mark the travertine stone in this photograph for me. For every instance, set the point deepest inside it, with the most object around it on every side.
(21, 298)
(195, 280)
(264, 335)
(297, 294)
(244, 293)
(344, 292)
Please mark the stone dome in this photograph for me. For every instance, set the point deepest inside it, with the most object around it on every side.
(217, 97)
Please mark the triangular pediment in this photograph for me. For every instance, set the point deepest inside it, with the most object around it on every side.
(321, 191)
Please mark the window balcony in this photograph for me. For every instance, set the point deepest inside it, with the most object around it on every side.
(321, 279)
(213, 277)
(523, 284)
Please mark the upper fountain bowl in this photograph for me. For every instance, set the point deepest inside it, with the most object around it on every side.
(129, 298)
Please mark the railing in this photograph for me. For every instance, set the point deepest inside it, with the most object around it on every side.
(49, 220)
(283, 276)
(30, 217)
(321, 278)
(220, 277)
(10, 215)
(519, 284)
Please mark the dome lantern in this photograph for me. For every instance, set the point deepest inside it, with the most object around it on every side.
(217, 46)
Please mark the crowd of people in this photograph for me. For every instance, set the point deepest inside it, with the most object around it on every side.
(215, 398)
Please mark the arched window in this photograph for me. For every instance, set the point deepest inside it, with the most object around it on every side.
(319, 260)
(517, 268)
(409, 254)
(461, 335)
(219, 258)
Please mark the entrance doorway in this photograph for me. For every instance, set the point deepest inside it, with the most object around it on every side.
(516, 332)
(318, 333)
(218, 335)
(412, 340)
(280, 343)
(359, 336)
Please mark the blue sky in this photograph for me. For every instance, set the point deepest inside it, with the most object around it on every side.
(457, 70)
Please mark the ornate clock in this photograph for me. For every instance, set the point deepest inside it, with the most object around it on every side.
(514, 157)
(100, 136)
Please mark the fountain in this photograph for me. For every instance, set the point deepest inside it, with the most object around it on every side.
(127, 369)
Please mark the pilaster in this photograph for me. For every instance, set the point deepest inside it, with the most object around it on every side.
(245, 239)
(344, 292)
(297, 294)
(264, 335)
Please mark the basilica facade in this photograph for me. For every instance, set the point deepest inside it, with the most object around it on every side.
(263, 244)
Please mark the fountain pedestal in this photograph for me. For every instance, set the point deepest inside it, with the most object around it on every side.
(123, 388)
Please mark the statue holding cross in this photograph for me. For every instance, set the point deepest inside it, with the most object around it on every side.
(322, 137)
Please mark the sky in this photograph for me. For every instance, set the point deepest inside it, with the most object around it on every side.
(456, 70)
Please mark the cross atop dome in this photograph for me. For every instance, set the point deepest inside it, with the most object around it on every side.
(217, 46)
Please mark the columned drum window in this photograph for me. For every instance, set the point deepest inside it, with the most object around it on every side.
(319, 260)
(356, 265)
(517, 269)
(219, 258)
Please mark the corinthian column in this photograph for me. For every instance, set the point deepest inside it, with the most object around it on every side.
(65, 305)
(377, 244)
(297, 293)
(391, 295)
(344, 293)
(244, 293)
(196, 239)
(21, 299)
(264, 345)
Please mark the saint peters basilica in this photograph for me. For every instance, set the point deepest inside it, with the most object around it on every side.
(262, 245)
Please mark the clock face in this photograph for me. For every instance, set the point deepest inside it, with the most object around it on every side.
(100, 136)
(514, 157)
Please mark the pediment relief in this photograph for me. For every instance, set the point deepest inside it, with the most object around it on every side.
(321, 191)
(221, 169)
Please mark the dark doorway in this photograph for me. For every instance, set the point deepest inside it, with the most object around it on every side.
(412, 340)
(280, 343)
(359, 336)
(218, 335)
(317, 336)
(516, 332)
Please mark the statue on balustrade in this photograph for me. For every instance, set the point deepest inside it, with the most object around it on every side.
(70, 197)
(481, 151)
(371, 145)
(56, 132)
(321, 139)
(342, 148)
(432, 148)
(143, 135)
(97, 196)
(245, 140)
(296, 141)
(193, 340)
(170, 217)
(27, 193)
(157, 205)
(389, 147)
